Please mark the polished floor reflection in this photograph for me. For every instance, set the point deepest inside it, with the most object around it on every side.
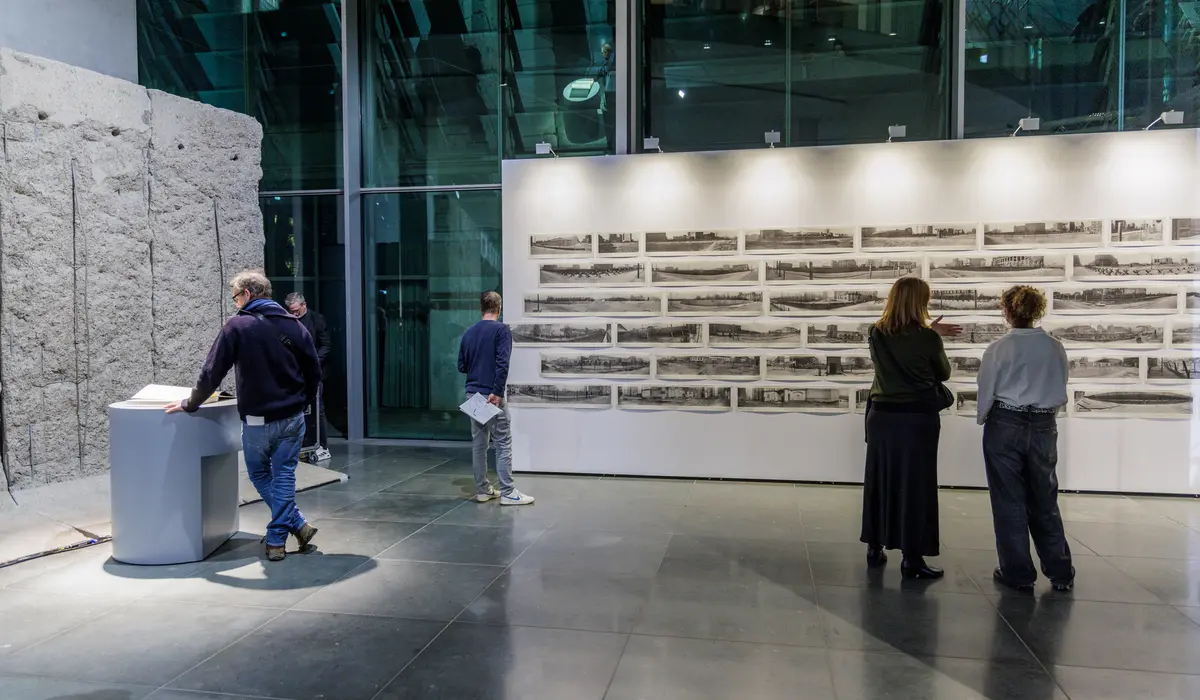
(609, 588)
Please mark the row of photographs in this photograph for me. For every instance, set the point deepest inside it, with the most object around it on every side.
(825, 239)
(831, 367)
(1144, 402)
(839, 269)
(1133, 333)
(858, 301)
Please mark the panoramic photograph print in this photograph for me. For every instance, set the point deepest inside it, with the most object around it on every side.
(583, 334)
(692, 243)
(1043, 234)
(799, 240)
(965, 300)
(728, 367)
(837, 334)
(810, 366)
(964, 365)
(1185, 231)
(1104, 368)
(919, 237)
(1185, 333)
(714, 304)
(704, 273)
(1115, 266)
(827, 301)
(993, 268)
(595, 365)
(836, 269)
(1135, 231)
(1145, 403)
(608, 274)
(978, 334)
(755, 334)
(560, 246)
(618, 244)
(966, 402)
(598, 304)
(666, 397)
(1128, 333)
(1173, 368)
(1100, 300)
(595, 396)
(793, 399)
(680, 335)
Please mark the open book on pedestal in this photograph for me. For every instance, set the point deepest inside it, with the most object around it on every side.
(161, 395)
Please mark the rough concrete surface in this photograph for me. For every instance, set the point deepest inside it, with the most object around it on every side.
(123, 212)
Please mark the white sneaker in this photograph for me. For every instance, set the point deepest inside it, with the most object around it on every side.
(515, 498)
(485, 497)
(323, 455)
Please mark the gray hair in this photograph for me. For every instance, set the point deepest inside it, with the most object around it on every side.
(253, 281)
(293, 299)
(490, 302)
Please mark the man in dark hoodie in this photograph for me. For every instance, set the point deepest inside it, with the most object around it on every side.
(277, 377)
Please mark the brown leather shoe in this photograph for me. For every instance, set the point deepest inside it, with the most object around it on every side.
(305, 535)
(275, 553)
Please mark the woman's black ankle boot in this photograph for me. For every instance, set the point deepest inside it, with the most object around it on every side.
(915, 567)
(876, 555)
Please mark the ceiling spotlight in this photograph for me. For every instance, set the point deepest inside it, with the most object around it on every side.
(891, 33)
(1029, 26)
(771, 137)
(650, 143)
(833, 38)
(1028, 124)
(682, 94)
(707, 47)
(897, 131)
(767, 42)
(1171, 118)
(544, 149)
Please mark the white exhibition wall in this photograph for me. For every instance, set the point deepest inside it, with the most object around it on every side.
(1096, 177)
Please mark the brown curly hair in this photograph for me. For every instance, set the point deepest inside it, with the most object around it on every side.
(1023, 305)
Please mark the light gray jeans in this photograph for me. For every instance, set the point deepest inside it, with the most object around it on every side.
(497, 431)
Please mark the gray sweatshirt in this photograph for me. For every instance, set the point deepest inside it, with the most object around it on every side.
(1027, 367)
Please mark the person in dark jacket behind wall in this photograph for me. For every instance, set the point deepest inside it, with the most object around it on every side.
(314, 323)
(277, 378)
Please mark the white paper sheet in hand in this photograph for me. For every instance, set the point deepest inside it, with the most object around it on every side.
(478, 408)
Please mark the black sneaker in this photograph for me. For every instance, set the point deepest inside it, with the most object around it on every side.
(998, 577)
(1065, 587)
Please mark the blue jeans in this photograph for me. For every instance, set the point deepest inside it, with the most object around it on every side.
(496, 431)
(271, 452)
(1020, 451)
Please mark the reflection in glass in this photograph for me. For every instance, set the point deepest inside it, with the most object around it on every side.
(560, 77)
(1079, 65)
(429, 255)
(719, 75)
(279, 62)
(305, 252)
(430, 89)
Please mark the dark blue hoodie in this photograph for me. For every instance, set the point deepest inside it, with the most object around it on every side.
(276, 360)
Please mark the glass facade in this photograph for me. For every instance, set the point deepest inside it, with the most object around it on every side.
(447, 89)
(429, 255)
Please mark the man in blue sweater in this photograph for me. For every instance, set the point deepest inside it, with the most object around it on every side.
(277, 377)
(483, 357)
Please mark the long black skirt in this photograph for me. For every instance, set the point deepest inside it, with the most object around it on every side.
(900, 493)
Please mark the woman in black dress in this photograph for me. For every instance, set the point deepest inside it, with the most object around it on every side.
(900, 508)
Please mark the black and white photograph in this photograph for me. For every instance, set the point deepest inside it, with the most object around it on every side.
(609, 274)
(755, 334)
(679, 335)
(793, 399)
(841, 269)
(704, 273)
(598, 304)
(965, 300)
(919, 236)
(582, 334)
(1145, 403)
(1125, 333)
(1100, 300)
(552, 245)
(837, 334)
(730, 367)
(1185, 231)
(1135, 231)
(819, 366)
(1043, 234)
(1185, 334)
(861, 396)
(1108, 266)
(595, 365)
(1103, 368)
(813, 239)
(1191, 301)
(1173, 368)
(828, 301)
(980, 334)
(561, 395)
(997, 268)
(966, 402)
(964, 365)
(618, 244)
(665, 397)
(714, 304)
(692, 243)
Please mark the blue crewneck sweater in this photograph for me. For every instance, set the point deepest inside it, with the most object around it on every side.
(483, 356)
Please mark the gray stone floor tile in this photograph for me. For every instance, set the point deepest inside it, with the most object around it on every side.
(465, 544)
(637, 554)
(18, 687)
(874, 676)
(1169, 541)
(28, 617)
(260, 583)
(399, 508)
(417, 590)
(1174, 581)
(584, 600)
(1108, 684)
